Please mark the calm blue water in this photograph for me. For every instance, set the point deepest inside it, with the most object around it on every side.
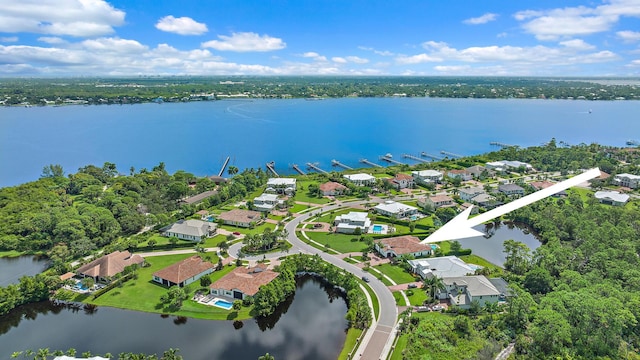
(223, 304)
(196, 137)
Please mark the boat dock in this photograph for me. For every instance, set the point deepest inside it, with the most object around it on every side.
(388, 159)
(271, 167)
(316, 168)
(224, 166)
(297, 168)
(450, 154)
(338, 163)
(414, 158)
(365, 161)
(502, 145)
(434, 157)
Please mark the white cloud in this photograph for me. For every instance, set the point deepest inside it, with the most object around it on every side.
(577, 44)
(488, 17)
(339, 60)
(416, 59)
(7, 39)
(314, 55)
(377, 52)
(576, 21)
(52, 40)
(81, 18)
(502, 35)
(181, 25)
(357, 60)
(245, 42)
(114, 45)
(629, 36)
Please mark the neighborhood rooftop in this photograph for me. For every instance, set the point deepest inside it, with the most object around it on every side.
(240, 216)
(110, 265)
(183, 270)
(192, 227)
(406, 244)
(247, 280)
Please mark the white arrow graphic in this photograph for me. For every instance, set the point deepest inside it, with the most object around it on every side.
(461, 226)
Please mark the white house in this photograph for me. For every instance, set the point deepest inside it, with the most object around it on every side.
(463, 290)
(402, 245)
(463, 175)
(442, 267)
(611, 198)
(348, 223)
(281, 186)
(361, 179)
(266, 202)
(436, 201)
(427, 176)
(395, 209)
(627, 180)
(505, 165)
(192, 229)
(467, 194)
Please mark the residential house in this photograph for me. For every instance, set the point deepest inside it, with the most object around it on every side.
(508, 165)
(203, 214)
(627, 180)
(403, 181)
(425, 177)
(266, 202)
(539, 185)
(242, 282)
(241, 218)
(477, 170)
(183, 272)
(198, 197)
(611, 198)
(486, 201)
(191, 229)
(218, 179)
(463, 290)
(463, 175)
(402, 245)
(348, 223)
(281, 186)
(108, 266)
(511, 189)
(361, 179)
(442, 267)
(465, 206)
(395, 209)
(332, 188)
(503, 287)
(467, 194)
(436, 201)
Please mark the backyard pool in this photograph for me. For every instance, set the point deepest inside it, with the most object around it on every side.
(379, 229)
(222, 304)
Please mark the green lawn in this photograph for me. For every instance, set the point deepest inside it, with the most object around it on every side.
(10, 253)
(475, 259)
(349, 343)
(418, 297)
(396, 273)
(398, 297)
(338, 242)
(303, 196)
(374, 299)
(399, 346)
(329, 217)
(256, 230)
(143, 294)
(214, 241)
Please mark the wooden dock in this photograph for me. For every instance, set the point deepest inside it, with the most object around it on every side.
(365, 161)
(450, 154)
(271, 167)
(390, 160)
(297, 168)
(224, 166)
(434, 157)
(408, 156)
(338, 163)
(316, 168)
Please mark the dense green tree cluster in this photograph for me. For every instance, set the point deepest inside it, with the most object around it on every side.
(272, 294)
(43, 354)
(265, 241)
(28, 290)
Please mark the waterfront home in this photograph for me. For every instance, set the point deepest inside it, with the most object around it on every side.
(463, 290)
(477, 170)
(198, 197)
(106, 267)
(467, 194)
(402, 245)
(241, 218)
(242, 282)
(332, 188)
(281, 186)
(425, 177)
(503, 288)
(486, 201)
(395, 209)
(183, 272)
(511, 189)
(463, 175)
(266, 202)
(611, 198)
(436, 201)
(361, 179)
(442, 267)
(191, 229)
(627, 180)
(403, 181)
(539, 185)
(465, 206)
(348, 223)
(203, 214)
(508, 165)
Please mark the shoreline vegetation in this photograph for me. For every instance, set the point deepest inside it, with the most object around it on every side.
(119, 91)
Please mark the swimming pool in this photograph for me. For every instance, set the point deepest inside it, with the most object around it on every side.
(377, 228)
(434, 247)
(222, 304)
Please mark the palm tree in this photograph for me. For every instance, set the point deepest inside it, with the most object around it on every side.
(267, 356)
(433, 284)
(232, 170)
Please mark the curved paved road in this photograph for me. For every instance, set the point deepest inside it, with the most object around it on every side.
(377, 341)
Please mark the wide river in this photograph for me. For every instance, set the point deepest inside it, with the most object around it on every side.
(197, 136)
(309, 326)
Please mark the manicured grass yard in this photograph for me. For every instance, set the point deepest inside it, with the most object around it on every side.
(396, 273)
(339, 242)
(256, 230)
(475, 259)
(143, 294)
(303, 195)
(214, 241)
(349, 343)
(400, 345)
(11, 253)
(418, 297)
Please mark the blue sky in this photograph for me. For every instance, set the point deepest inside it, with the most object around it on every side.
(338, 37)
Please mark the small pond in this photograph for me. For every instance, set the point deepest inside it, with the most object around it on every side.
(12, 269)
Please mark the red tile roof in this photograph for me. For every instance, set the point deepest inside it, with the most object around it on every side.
(184, 269)
(245, 279)
(240, 215)
(539, 185)
(440, 198)
(110, 265)
(331, 186)
(401, 176)
(406, 244)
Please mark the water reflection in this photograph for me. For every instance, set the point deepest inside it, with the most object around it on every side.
(490, 246)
